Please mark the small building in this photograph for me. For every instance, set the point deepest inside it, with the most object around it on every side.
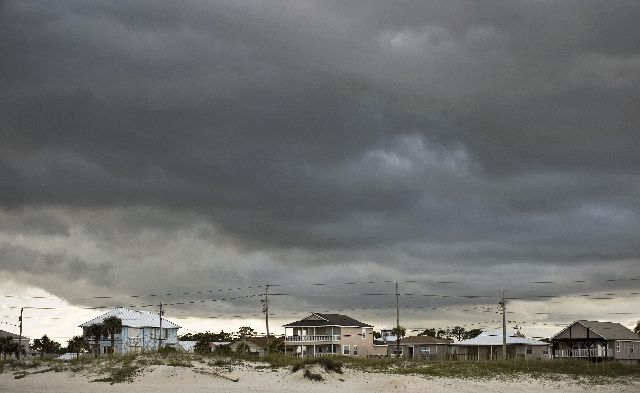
(597, 341)
(255, 346)
(420, 347)
(329, 334)
(140, 331)
(488, 346)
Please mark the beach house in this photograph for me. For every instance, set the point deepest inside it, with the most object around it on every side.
(329, 334)
(141, 331)
(488, 346)
(420, 347)
(597, 340)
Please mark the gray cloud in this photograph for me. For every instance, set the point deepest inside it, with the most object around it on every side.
(247, 140)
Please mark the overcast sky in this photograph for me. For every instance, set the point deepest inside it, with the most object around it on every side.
(155, 147)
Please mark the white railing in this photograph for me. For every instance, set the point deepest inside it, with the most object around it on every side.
(312, 338)
(580, 353)
(327, 354)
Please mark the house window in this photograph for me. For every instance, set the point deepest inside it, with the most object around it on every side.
(364, 333)
(631, 347)
(355, 350)
(617, 346)
(346, 350)
(395, 351)
(545, 350)
(529, 350)
(425, 350)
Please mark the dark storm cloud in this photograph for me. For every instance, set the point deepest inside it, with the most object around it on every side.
(445, 134)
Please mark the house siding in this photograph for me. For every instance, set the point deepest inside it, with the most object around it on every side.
(625, 352)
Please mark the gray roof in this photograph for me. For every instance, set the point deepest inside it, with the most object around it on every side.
(13, 336)
(606, 330)
(131, 318)
(493, 338)
(328, 320)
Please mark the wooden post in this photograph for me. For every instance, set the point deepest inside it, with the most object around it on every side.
(160, 339)
(20, 335)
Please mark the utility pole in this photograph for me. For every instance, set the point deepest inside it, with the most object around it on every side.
(20, 335)
(397, 322)
(160, 339)
(265, 309)
(503, 306)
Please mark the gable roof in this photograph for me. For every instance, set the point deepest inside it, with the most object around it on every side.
(494, 338)
(328, 320)
(421, 340)
(606, 330)
(13, 336)
(132, 318)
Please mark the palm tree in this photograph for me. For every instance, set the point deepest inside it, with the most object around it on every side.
(96, 331)
(77, 344)
(399, 332)
(43, 345)
(113, 326)
(636, 329)
(6, 346)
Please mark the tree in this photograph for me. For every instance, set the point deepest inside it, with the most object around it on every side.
(636, 329)
(457, 332)
(377, 335)
(77, 344)
(112, 326)
(245, 332)
(8, 346)
(276, 345)
(96, 331)
(471, 333)
(399, 332)
(45, 345)
(428, 332)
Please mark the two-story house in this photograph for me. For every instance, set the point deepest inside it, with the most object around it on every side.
(328, 334)
(140, 331)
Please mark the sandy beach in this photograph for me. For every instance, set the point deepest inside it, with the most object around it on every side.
(162, 378)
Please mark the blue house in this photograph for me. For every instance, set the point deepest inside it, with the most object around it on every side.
(140, 331)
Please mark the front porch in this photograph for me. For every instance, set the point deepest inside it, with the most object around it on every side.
(313, 350)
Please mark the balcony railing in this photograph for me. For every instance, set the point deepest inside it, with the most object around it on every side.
(580, 353)
(330, 338)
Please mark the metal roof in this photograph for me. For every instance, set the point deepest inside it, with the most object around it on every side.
(132, 318)
(606, 330)
(492, 338)
(328, 320)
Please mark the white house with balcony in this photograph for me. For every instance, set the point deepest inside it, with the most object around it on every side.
(141, 331)
(328, 334)
(596, 340)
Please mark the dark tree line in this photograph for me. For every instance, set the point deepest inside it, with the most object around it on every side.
(457, 332)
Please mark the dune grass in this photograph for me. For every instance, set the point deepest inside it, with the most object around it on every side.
(124, 368)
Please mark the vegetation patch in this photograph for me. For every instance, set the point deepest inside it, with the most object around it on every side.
(312, 376)
(126, 373)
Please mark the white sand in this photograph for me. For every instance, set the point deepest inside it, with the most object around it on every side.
(187, 380)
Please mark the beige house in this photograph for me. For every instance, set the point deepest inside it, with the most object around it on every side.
(597, 340)
(329, 334)
(420, 347)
